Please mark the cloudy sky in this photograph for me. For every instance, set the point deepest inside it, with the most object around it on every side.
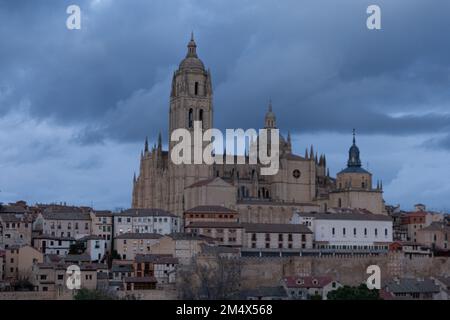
(76, 105)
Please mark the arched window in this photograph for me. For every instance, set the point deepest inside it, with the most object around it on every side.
(191, 118)
(196, 88)
(200, 116)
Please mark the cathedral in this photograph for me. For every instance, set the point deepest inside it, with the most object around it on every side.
(302, 184)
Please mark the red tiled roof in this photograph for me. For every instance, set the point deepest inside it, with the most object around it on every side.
(210, 209)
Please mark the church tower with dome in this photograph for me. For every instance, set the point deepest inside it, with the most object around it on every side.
(302, 184)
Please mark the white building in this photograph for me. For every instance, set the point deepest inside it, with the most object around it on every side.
(145, 221)
(49, 244)
(356, 231)
(95, 246)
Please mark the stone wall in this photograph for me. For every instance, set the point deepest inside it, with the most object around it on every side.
(258, 272)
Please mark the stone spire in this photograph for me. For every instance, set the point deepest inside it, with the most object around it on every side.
(353, 154)
(192, 48)
(270, 119)
(159, 141)
(146, 145)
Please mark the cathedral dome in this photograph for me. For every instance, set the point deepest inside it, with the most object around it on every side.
(192, 62)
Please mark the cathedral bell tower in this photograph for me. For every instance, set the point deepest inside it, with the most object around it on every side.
(191, 95)
(190, 100)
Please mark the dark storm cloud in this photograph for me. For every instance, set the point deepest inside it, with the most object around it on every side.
(316, 60)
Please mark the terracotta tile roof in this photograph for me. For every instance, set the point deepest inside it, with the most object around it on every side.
(275, 228)
(144, 213)
(190, 236)
(211, 209)
(156, 258)
(139, 236)
(140, 280)
(215, 224)
(70, 215)
(204, 182)
(360, 216)
(307, 282)
(50, 237)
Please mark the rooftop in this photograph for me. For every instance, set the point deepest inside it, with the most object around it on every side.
(145, 213)
(130, 235)
(211, 209)
(69, 215)
(156, 258)
(359, 216)
(410, 285)
(307, 282)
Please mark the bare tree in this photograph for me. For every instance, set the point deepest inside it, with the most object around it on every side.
(213, 278)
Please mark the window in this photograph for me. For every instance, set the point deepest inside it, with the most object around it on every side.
(354, 232)
(290, 237)
(280, 237)
(365, 232)
(86, 226)
(339, 202)
(196, 88)
(191, 118)
(332, 231)
(386, 232)
(376, 232)
(343, 231)
(60, 277)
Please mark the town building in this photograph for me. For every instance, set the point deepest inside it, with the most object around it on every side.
(15, 230)
(357, 231)
(145, 221)
(49, 244)
(225, 233)
(162, 267)
(128, 245)
(102, 226)
(413, 289)
(210, 213)
(183, 246)
(436, 236)
(75, 224)
(305, 288)
(95, 246)
(19, 262)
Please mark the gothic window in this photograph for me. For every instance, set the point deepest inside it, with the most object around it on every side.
(196, 88)
(191, 118)
(200, 115)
